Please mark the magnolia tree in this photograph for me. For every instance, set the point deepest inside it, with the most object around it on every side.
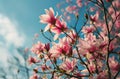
(88, 50)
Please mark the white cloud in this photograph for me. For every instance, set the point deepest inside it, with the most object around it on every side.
(4, 53)
(11, 36)
(9, 32)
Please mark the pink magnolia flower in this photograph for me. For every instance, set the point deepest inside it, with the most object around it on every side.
(88, 45)
(116, 3)
(108, 0)
(103, 75)
(68, 65)
(26, 50)
(56, 76)
(118, 34)
(47, 47)
(59, 27)
(91, 67)
(82, 47)
(37, 48)
(71, 9)
(94, 18)
(48, 18)
(53, 23)
(62, 48)
(114, 65)
(44, 67)
(32, 60)
(36, 35)
(92, 9)
(87, 29)
(113, 45)
(111, 10)
(72, 36)
(34, 76)
(117, 24)
(79, 3)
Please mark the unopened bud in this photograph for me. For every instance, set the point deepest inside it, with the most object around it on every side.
(86, 16)
(35, 70)
(41, 56)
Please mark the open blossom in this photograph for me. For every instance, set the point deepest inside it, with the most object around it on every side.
(34, 77)
(103, 75)
(80, 52)
(114, 65)
(44, 67)
(68, 65)
(63, 47)
(48, 18)
(118, 34)
(71, 9)
(117, 24)
(116, 3)
(32, 60)
(95, 17)
(88, 45)
(37, 48)
(79, 3)
(56, 76)
(72, 36)
(47, 47)
(87, 29)
(92, 67)
(60, 27)
(53, 23)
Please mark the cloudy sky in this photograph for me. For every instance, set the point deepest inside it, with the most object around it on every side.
(19, 21)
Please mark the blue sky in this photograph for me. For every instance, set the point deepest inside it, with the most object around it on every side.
(19, 21)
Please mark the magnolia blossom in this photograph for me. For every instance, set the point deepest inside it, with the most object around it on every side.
(118, 34)
(102, 75)
(44, 67)
(59, 28)
(48, 18)
(56, 76)
(92, 67)
(37, 48)
(32, 60)
(99, 43)
(47, 47)
(62, 48)
(34, 77)
(117, 24)
(68, 65)
(95, 18)
(114, 65)
(72, 36)
(79, 3)
(92, 44)
(53, 23)
(87, 29)
(88, 45)
(116, 3)
(71, 9)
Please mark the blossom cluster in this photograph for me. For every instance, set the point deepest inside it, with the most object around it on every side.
(95, 55)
